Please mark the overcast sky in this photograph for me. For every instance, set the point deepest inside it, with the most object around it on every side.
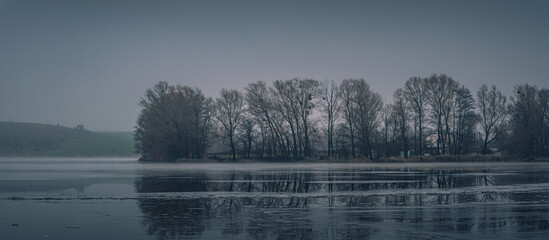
(89, 62)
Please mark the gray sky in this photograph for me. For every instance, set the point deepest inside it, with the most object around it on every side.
(89, 62)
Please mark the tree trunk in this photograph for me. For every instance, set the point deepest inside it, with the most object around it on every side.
(233, 152)
(420, 134)
(485, 145)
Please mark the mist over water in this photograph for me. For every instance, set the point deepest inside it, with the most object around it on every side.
(121, 198)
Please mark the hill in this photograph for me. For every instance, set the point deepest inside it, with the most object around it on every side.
(34, 139)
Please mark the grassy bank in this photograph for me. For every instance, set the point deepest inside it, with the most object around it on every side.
(43, 140)
(466, 158)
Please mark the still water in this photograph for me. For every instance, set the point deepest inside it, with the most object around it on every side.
(63, 198)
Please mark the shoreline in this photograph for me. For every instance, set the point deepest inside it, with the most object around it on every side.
(425, 159)
(422, 159)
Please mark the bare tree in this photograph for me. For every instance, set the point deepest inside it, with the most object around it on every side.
(400, 106)
(174, 123)
(529, 113)
(307, 91)
(543, 121)
(285, 102)
(416, 94)
(492, 107)
(367, 107)
(261, 105)
(202, 109)
(464, 121)
(348, 96)
(342, 140)
(386, 118)
(440, 93)
(330, 107)
(247, 132)
(230, 109)
(293, 99)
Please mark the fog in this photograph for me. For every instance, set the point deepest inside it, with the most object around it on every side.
(89, 62)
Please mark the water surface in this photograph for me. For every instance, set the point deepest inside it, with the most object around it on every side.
(64, 198)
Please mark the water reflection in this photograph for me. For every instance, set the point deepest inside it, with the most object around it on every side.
(170, 218)
(341, 204)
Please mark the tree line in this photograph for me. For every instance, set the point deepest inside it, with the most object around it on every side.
(305, 118)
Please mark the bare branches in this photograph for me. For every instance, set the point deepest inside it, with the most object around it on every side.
(230, 112)
(435, 115)
(493, 111)
(416, 93)
(400, 106)
(440, 93)
(530, 121)
(173, 123)
(330, 106)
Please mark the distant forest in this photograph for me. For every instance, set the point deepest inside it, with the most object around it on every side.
(308, 119)
(46, 140)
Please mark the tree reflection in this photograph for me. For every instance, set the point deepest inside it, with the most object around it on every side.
(309, 204)
(172, 218)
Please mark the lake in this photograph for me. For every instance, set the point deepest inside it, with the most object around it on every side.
(110, 198)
